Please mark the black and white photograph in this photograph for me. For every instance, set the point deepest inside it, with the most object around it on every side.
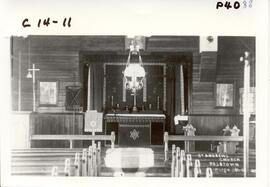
(140, 105)
(158, 106)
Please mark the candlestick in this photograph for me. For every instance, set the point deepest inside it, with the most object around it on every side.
(158, 102)
(112, 101)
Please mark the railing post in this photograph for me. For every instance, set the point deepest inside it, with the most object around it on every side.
(166, 139)
(98, 158)
(67, 167)
(177, 164)
(225, 147)
(94, 159)
(77, 163)
(70, 144)
(197, 168)
(182, 165)
(84, 162)
(188, 165)
(54, 171)
(112, 139)
(90, 161)
(209, 173)
(173, 161)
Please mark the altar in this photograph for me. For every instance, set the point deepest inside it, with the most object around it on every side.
(135, 129)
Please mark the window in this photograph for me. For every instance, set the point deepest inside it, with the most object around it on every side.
(48, 92)
(225, 95)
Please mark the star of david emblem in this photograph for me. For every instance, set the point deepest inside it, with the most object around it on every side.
(134, 134)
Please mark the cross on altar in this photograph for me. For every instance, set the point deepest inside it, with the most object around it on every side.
(246, 59)
(29, 76)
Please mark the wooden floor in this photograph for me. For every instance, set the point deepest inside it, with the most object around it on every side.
(39, 162)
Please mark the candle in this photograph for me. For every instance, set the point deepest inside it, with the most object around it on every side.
(158, 102)
(112, 101)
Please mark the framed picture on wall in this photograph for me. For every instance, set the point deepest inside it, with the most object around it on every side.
(48, 91)
(225, 94)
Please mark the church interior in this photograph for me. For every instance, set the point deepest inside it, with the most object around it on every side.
(145, 106)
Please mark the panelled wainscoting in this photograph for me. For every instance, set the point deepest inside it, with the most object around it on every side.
(56, 123)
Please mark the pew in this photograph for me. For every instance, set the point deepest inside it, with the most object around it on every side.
(72, 138)
(195, 164)
(40, 162)
(89, 164)
(182, 165)
(77, 162)
(168, 138)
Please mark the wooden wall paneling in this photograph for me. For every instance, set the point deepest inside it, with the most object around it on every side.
(49, 53)
(102, 43)
(62, 68)
(227, 45)
(228, 69)
(73, 123)
(53, 130)
(213, 125)
(58, 57)
(208, 66)
(66, 127)
(56, 123)
(18, 45)
(51, 43)
(50, 126)
(81, 126)
(44, 128)
(62, 125)
(172, 43)
(177, 91)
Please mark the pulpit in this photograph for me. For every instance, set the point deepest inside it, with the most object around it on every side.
(135, 129)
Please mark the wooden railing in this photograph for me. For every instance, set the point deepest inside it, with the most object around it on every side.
(71, 138)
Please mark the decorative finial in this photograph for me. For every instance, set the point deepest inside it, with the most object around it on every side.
(235, 131)
(246, 58)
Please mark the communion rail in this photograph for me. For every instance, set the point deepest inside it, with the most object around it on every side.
(168, 138)
(72, 138)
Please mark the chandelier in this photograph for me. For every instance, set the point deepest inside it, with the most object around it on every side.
(134, 73)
